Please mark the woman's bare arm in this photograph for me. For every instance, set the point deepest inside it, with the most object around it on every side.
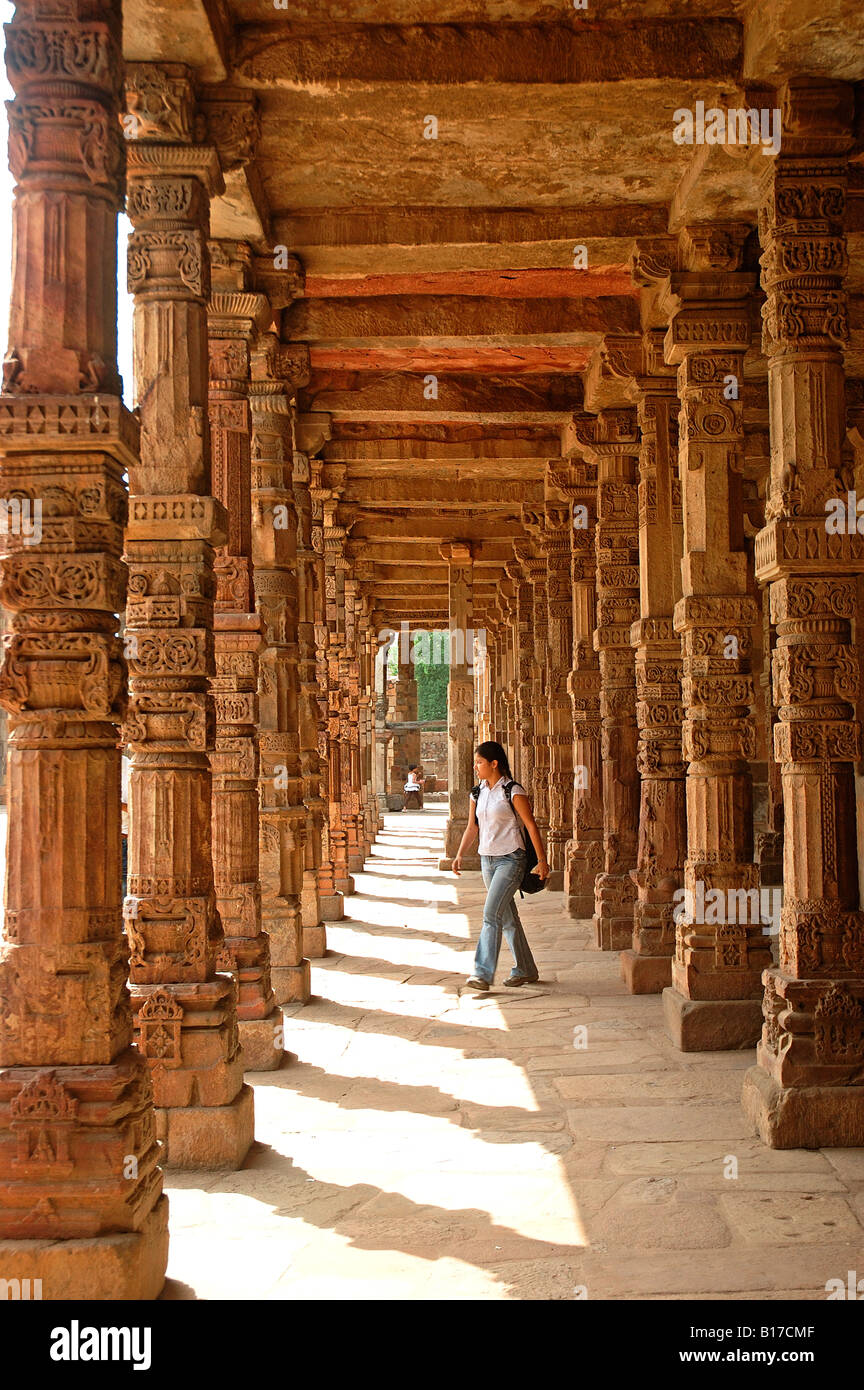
(472, 832)
(523, 809)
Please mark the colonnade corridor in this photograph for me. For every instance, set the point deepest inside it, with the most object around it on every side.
(427, 1143)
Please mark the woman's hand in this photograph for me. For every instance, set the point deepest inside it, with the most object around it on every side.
(457, 865)
(541, 869)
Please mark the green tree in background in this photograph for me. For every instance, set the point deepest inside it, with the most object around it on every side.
(432, 690)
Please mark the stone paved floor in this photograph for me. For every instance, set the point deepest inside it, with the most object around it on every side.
(428, 1144)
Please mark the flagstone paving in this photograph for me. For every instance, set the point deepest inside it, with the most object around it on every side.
(426, 1143)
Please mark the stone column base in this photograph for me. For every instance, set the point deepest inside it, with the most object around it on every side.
(580, 906)
(128, 1266)
(355, 865)
(555, 881)
(645, 974)
(315, 941)
(207, 1136)
(711, 1025)
(612, 933)
(470, 864)
(809, 1117)
(332, 907)
(292, 984)
(262, 1041)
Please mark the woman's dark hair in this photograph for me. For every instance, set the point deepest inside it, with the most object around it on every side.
(494, 753)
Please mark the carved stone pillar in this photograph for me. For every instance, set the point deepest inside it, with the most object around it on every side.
(647, 967)
(330, 901)
(615, 449)
(806, 1089)
(638, 362)
(720, 948)
(234, 318)
(76, 1103)
(335, 872)
(534, 564)
(309, 576)
(368, 809)
(380, 759)
(185, 1011)
(312, 432)
(577, 480)
(460, 701)
(523, 686)
(277, 371)
(556, 547)
(350, 732)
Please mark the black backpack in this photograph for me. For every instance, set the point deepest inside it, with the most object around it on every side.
(530, 882)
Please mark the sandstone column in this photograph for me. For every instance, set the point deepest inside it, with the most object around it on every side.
(336, 880)
(535, 715)
(330, 900)
(277, 371)
(556, 546)
(806, 1088)
(349, 671)
(234, 318)
(713, 1001)
(460, 701)
(185, 1011)
(638, 361)
(81, 1204)
(309, 579)
(584, 852)
(615, 449)
(523, 684)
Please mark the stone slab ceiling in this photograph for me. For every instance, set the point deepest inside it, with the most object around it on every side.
(453, 257)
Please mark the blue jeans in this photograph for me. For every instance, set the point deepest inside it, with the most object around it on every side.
(502, 874)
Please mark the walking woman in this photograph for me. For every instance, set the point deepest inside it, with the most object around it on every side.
(499, 817)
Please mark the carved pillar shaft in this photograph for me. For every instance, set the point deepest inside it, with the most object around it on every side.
(559, 643)
(337, 875)
(584, 854)
(523, 685)
(662, 813)
(349, 672)
(309, 581)
(75, 1097)
(234, 314)
(460, 700)
(282, 827)
(616, 449)
(720, 947)
(806, 1088)
(174, 931)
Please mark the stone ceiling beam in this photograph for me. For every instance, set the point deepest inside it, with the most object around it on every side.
(447, 320)
(453, 54)
(543, 399)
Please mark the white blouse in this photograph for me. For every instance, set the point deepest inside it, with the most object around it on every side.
(500, 825)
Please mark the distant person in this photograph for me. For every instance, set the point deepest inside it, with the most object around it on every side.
(502, 808)
(413, 789)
